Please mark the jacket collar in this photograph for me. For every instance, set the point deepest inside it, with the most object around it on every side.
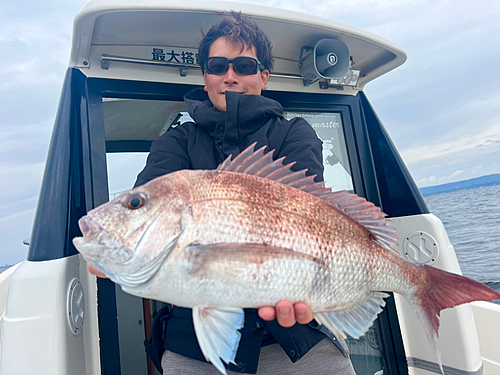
(245, 113)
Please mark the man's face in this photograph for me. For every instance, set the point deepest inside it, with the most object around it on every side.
(217, 85)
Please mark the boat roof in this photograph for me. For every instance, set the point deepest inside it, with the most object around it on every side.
(135, 30)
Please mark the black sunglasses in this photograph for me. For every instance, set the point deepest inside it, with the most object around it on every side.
(243, 65)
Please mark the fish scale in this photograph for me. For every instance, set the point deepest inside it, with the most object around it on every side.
(283, 223)
(220, 241)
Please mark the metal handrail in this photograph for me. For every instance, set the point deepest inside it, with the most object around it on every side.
(107, 59)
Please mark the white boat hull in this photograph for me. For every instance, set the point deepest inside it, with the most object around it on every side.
(36, 335)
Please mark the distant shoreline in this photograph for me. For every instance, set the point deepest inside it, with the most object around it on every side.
(490, 180)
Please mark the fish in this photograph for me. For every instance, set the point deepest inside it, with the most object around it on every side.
(252, 233)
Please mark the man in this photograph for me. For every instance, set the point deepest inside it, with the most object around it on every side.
(230, 114)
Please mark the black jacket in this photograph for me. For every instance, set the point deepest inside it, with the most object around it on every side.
(204, 145)
(216, 135)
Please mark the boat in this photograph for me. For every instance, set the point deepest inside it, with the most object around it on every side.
(131, 64)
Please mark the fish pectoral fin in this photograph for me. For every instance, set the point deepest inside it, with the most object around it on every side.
(217, 333)
(356, 321)
(230, 257)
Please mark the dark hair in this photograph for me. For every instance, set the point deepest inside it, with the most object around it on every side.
(238, 29)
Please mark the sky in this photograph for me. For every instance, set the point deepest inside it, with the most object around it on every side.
(441, 108)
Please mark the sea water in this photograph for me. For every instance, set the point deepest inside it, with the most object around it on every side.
(471, 218)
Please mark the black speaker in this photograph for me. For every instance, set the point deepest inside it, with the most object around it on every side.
(329, 59)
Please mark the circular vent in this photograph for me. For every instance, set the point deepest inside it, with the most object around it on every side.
(421, 247)
(76, 306)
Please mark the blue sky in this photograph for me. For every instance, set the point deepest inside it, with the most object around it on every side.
(441, 108)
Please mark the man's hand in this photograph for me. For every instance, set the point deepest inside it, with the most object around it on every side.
(287, 314)
(95, 271)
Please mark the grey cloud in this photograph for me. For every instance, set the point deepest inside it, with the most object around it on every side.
(489, 142)
(15, 228)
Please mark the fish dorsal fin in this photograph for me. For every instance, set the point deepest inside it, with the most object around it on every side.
(367, 214)
(258, 163)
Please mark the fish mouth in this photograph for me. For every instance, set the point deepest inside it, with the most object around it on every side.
(88, 245)
(90, 228)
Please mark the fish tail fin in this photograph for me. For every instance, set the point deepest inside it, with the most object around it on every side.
(442, 290)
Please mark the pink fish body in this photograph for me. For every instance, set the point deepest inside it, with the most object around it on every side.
(253, 233)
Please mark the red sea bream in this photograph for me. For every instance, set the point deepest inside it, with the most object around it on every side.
(252, 233)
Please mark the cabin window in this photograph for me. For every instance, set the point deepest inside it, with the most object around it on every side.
(130, 127)
(366, 353)
(139, 119)
(123, 168)
(330, 129)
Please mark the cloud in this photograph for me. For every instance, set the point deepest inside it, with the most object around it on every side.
(458, 142)
(20, 181)
(16, 138)
(424, 181)
(13, 207)
(456, 173)
(447, 43)
(488, 142)
(15, 229)
(15, 216)
(29, 63)
(474, 166)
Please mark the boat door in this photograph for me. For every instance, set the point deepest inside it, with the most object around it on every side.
(119, 153)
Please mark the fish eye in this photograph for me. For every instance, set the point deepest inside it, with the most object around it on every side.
(135, 201)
